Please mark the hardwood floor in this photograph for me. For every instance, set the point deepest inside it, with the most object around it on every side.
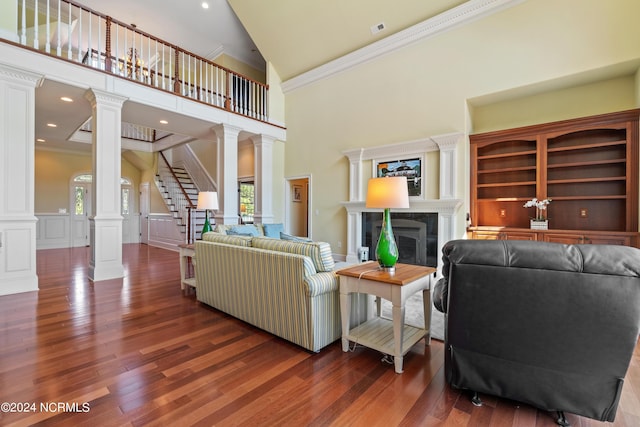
(139, 351)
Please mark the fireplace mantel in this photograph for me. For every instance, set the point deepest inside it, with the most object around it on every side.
(446, 206)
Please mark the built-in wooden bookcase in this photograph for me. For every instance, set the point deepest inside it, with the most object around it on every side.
(587, 166)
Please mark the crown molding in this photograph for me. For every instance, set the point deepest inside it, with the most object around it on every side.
(460, 15)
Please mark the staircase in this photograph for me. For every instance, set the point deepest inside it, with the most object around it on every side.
(180, 195)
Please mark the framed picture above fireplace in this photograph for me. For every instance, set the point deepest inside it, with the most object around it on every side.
(411, 168)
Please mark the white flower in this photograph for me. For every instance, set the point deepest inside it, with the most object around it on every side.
(540, 205)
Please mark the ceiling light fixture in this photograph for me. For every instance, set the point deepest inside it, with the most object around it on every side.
(40, 140)
(164, 122)
(52, 125)
(66, 99)
(205, 5)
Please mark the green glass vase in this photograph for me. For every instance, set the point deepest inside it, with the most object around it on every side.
(386, 250)
(207, 225)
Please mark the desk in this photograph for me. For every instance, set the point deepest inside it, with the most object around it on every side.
(187, 252)
(388, 336)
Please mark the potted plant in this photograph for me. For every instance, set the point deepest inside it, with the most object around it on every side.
(540, 222)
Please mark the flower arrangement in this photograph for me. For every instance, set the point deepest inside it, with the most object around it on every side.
(541, 207)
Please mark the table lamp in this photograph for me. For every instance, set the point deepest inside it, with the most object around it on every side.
(386, 193)
(207, 200)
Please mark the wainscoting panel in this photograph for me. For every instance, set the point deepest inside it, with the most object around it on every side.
(164, 233)
(53, 231)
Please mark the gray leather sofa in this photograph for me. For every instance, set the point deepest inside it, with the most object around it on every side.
(546, 324)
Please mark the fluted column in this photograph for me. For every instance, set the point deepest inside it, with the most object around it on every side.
(106, 223)
(227, 174)
(17, 188)
(263, 179)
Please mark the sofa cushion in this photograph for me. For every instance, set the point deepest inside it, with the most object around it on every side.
(273, 230)
(228, 239)
(253, 229)
(319, 252)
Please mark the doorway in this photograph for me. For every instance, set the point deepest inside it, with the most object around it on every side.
(298, 206)
(80, 211)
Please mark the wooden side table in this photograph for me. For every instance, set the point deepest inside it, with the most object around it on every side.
(187, 253)
(392, 337)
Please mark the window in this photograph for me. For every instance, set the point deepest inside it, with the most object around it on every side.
(80, 204)
(247, 206)
(124, 200)
(78, 197)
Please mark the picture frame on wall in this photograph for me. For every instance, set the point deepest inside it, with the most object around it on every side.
(412, 168)
(297, 193)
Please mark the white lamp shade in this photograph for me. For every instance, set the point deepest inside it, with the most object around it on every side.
(388, 192)
(207, 200)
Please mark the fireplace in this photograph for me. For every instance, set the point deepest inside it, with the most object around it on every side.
(416, 236)
(429, 222)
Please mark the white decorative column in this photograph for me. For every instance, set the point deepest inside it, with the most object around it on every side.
(17, 174)
(227, 175)
(448, 145)
(106, 223)
(263, 178)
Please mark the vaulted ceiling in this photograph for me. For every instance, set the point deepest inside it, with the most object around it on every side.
(296, 36)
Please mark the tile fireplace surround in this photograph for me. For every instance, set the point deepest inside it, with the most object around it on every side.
(446, 206)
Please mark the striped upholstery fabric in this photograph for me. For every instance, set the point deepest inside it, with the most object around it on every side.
(230, 240)
(319, 252)
(271, 290)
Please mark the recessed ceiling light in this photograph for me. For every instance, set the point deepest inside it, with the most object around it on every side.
(52, 125)
(66, 99)
(205, 5)
(164, 122)
(40, 140)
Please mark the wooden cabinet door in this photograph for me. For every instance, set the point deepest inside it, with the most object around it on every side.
(608, 240)
(504, 235)
(519, 235)
(485, 235)
(569, 239)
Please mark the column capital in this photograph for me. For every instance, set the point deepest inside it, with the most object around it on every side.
(97, 96)
(18, 75)
(262, 139)
(223, 130)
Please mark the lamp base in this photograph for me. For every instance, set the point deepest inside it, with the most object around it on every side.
(386, 250)
(390, 270)
(207, 225)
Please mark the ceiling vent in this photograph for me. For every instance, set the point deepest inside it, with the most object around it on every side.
(375, 29)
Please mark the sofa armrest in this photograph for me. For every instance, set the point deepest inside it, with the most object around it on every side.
(321, 283)
(440, 295)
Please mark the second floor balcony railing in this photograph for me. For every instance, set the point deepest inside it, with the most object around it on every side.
(76, 33)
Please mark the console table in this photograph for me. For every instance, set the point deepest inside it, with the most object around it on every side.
(388, 336)
(187, 252)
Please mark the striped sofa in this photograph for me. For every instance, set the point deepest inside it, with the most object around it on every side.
(286, 288)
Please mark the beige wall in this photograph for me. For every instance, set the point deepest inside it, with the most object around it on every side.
(8, 13)
(579, 101)
(240, 67)
(54, 172)
(521, 59)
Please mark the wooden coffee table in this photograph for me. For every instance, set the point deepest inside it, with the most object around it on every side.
(388, 336)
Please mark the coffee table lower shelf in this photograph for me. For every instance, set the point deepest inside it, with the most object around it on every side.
(377, 333)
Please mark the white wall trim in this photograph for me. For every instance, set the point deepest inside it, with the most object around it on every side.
(460, 15)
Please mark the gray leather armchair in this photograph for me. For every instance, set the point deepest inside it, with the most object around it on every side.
(546, 324)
